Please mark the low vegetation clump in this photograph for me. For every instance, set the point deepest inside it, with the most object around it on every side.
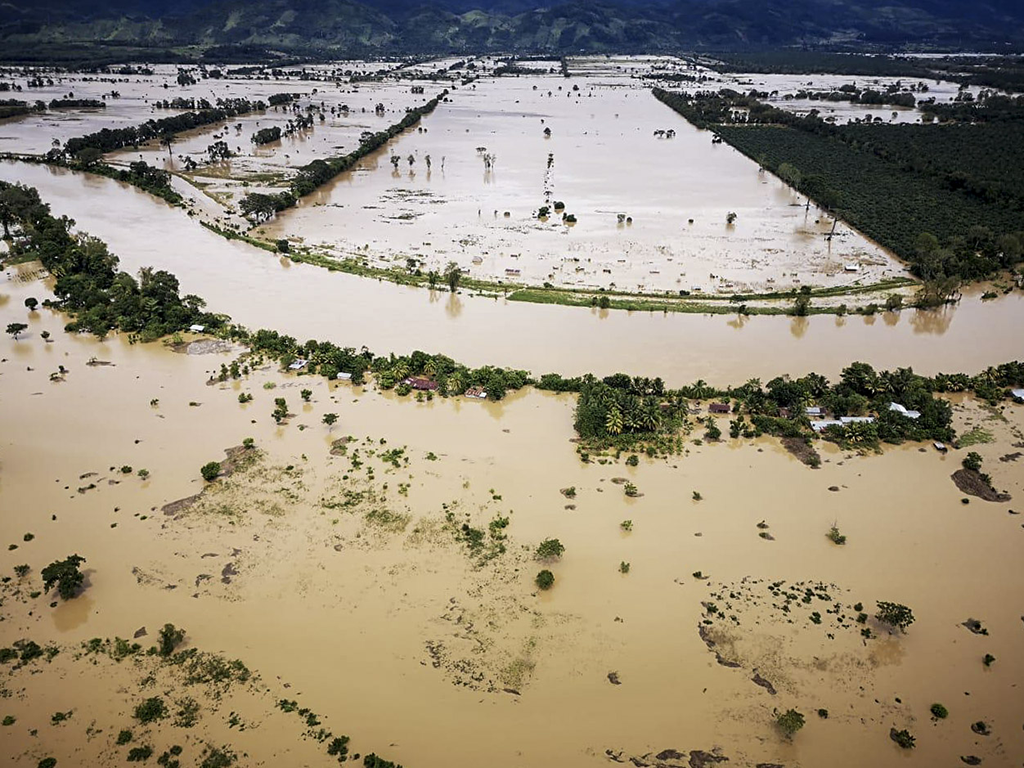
(545, 580)
(170, 638)
(903, 738)
(789, 722)
(835, 536)
(210, 471)
(151, 710)
(549, 549)
(939, 712)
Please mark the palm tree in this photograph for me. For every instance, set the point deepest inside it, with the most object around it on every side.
(613, 421)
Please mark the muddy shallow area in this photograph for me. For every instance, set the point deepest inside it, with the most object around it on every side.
(343, 577)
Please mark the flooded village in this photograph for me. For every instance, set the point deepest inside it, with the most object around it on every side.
(474, 410)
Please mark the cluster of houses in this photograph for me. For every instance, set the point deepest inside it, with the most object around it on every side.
(819, 423)
(425, 384)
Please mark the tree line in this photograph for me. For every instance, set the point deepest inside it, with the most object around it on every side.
(87, 282)
(101, 298)
(260, 206)
(111, 139)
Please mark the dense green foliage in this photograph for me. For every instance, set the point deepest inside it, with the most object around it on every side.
(88, 283)
(942, 197)
(318, 172)
(545, 579)
(896, 615)
(66, 575)
(619, 405)
(790, 722)
(266, 135)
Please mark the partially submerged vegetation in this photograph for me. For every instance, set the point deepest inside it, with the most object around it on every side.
(936, 195)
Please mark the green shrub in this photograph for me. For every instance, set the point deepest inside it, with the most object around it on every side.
(940, 712)
(545, 579)
(549, 549)
(210, 471)
(972, 461)
(151, 710)
(903, 738)
(140, 754)
(789, 722)
(124, 737)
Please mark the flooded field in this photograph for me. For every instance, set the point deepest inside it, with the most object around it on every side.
(262, 290)
(648, 204)
(396, 634)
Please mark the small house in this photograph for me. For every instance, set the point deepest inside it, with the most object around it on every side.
(421, 383)
(344, 376)
(902, 410)
(197, 328)
(1018, 394)
(856, 419)
(821, 425)
(851, 268)
(298, 365)
(476, 393)
(719, 408)
(814, 410)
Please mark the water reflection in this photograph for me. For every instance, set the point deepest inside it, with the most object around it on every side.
(798, 327)
(453, 307)
(933, 321)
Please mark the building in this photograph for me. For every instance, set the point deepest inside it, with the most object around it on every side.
(476, 393)
(814, 410)
(298, 365)
(1018, 394)
(421, 383)
(820, 425)
(903, 411)
(719, 408)
(197, 328)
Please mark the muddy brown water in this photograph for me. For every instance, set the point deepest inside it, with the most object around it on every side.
(262, 290)
(347, 630)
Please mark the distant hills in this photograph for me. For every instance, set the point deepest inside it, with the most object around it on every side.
(367, 27)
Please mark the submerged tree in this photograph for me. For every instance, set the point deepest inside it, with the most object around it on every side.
(65, 575)
(452, 275)
(895, 615)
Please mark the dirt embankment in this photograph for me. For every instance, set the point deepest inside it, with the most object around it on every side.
(973, 483)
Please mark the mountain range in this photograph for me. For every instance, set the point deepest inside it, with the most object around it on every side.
(368, 27)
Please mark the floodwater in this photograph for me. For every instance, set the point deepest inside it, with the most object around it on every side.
(261, 290)
(346, 615)
(651, 212)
